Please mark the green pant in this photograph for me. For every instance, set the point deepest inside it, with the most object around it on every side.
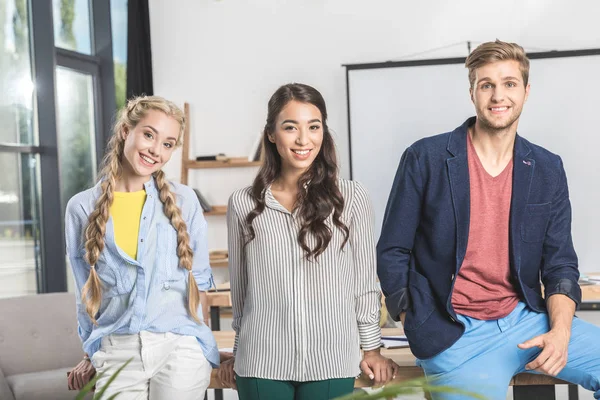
(267, 389)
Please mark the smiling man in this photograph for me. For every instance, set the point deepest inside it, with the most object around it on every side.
(476, 217)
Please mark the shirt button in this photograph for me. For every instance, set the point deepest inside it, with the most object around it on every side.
(144, 218)
(166, 286)
(142, 240)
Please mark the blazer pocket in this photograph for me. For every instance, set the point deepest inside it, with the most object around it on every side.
(422, 303)
(535, 222)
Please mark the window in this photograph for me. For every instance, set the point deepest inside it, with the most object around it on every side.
(118, 15)
(60, 45)
(19, 188)
(76, 132)
(72, 29)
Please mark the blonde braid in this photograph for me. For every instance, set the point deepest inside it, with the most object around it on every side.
(91, 294)
(184, 251)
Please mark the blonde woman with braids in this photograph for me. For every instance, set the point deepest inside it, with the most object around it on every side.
(137, 247)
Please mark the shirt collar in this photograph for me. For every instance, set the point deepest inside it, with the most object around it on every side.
(271, 201)
(150, 187)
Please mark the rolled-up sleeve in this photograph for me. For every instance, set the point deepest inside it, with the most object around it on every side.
(75, 223)
(199, 243)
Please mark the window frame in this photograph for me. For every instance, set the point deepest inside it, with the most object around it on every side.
(52, 276)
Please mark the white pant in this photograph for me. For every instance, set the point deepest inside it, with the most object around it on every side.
(164, 366)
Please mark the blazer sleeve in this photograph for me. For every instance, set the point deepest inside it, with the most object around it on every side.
(559, 272)
(400, 224)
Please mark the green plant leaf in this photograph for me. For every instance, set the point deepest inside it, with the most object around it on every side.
(98, 395)
(411, 386)
(88, 387)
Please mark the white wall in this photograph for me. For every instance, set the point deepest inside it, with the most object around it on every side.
(227, 57)
(546, 122)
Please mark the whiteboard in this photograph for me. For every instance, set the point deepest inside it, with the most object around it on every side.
(392, 107)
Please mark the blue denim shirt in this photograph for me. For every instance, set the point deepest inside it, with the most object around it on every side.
(149, 293)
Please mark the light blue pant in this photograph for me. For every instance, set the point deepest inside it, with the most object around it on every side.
(486, 357)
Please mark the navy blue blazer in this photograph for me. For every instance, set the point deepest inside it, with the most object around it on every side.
(426, 228)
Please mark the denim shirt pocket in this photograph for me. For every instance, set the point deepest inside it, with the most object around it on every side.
(535, 222)
(167, 261)
(114, 283)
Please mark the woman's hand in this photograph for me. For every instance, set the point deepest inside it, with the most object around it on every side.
(81, 374)
(225, 373)
(379, 369)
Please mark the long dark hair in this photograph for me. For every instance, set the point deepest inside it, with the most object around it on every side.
(318, 191)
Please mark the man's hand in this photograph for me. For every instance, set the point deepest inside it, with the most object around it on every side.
(81, 375)
(378, 368)
(554, 344)
(553, 358)
(225, 372)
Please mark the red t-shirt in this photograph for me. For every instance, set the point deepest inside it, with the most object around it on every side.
(483, 288)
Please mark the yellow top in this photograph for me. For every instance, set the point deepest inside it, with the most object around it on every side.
(126, 211)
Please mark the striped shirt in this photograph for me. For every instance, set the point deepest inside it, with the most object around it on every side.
(299, 320)
(148, 293)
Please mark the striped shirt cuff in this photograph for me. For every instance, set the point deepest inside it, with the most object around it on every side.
(235, 343)
(370, 336)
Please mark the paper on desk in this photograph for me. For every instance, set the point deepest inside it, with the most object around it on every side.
(589, 280)
(394, 342)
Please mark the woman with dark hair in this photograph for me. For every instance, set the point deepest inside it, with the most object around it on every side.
(302, 265)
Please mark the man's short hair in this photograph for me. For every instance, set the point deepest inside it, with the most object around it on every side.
(490, 52)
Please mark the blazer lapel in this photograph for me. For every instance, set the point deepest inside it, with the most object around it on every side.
(458, 174)
(523, 168)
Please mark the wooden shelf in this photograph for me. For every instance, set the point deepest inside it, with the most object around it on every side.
(219, 299)
(222, 287)
(219, 263)
(236, 162)
(217, 210)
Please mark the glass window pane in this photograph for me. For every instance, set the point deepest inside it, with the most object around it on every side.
(76, 137)
(16, 85)
(72, 27)
(76, 132)
(118, 17)
(20, 263)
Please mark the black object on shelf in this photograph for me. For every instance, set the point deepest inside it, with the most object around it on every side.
(206, 207)
(218, 157)
(256, 150)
